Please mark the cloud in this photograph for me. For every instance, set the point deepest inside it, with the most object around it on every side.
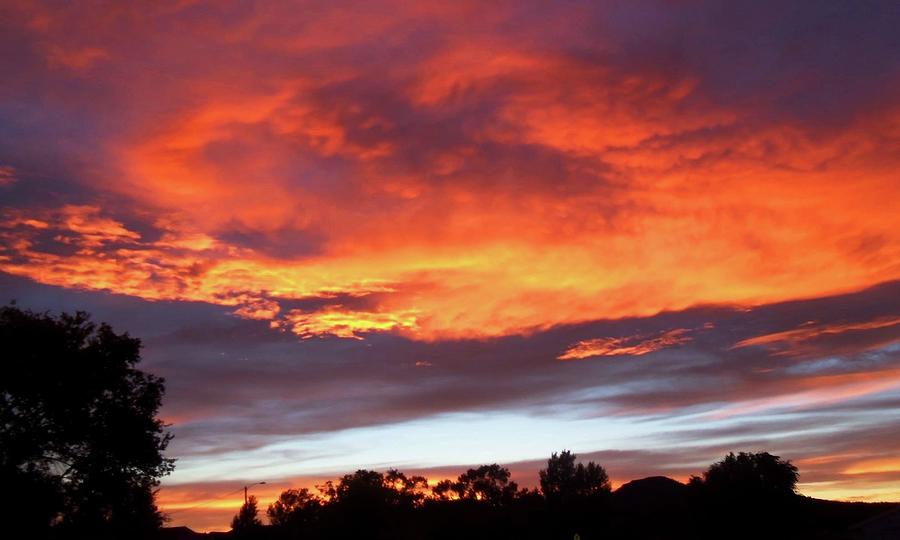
(346, 324)
(7, 175)
(282, 388)
(494, 182)
(77, 60)
(812, 337)
(625, 346)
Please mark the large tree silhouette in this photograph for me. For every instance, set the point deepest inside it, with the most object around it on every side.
(369, 504)
(751, 494)
(80, 444)
(294, 509)
(752, 475)
(563, 480)
(488, 483)
(574, 493)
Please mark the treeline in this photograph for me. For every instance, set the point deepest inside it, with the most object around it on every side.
(748, 495)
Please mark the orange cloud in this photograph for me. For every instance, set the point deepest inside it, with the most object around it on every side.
(486, 183)
(630, 346)
(875, 466)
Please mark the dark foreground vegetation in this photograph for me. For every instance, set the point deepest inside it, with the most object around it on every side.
(80, 444)
(81, 454)
(747, 495)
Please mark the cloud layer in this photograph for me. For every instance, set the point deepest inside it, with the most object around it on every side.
(541, 166)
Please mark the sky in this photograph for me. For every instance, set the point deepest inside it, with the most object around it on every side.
(430, 235)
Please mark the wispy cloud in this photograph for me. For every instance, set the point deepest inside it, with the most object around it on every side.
(625, 346)
(811, 335)
(7, 175)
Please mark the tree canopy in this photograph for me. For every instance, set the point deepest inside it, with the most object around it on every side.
(294, 508)
(487, 483)
(755, 475)
(81, 449)
(752, 493)
(564, 480)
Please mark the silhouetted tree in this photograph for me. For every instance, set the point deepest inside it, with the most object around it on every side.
(80, 444)
(294, 509)
(246, 522)
(564, 480)
(410, 490)
(750, 495)
(752, 475)
(390, 489)
(371, 504)
(487, 483)
(443, 491)
(575, 493)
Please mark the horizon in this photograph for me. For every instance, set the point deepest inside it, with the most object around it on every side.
(431, 236)
(217, 504)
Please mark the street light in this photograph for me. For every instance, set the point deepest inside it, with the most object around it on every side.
(248, 487)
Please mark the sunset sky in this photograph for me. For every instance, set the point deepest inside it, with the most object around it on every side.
(430, 235)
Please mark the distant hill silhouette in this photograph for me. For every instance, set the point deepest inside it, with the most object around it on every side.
(651, 508)
(651, 491)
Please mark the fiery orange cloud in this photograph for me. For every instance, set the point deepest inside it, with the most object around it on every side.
(338, 322)
(633, 345)
(495, 290)
(485, 186)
